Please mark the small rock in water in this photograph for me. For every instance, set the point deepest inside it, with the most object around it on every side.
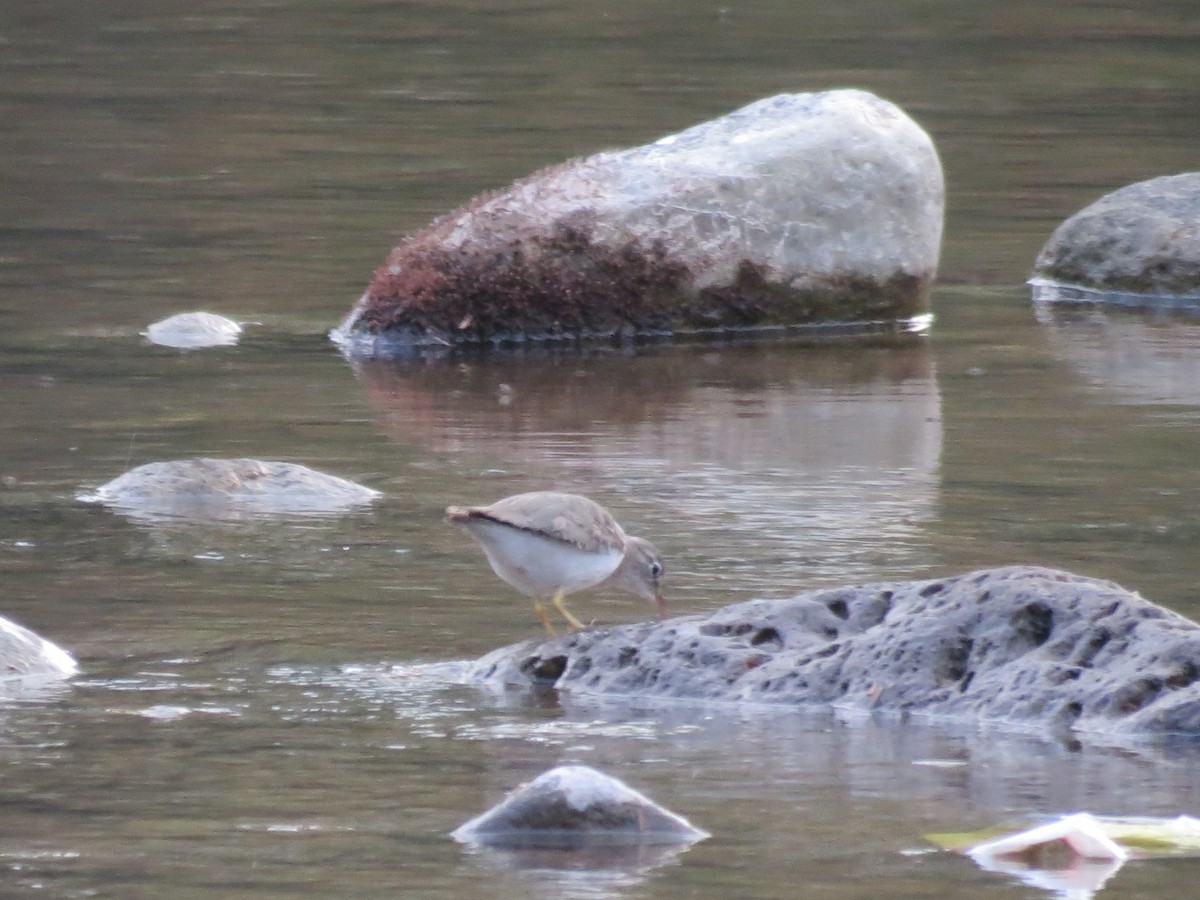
(228, 488)
(1080, 836)
(191, 331)
(574, 807)
(1072, 856)
(28, 659)
(1141, 240)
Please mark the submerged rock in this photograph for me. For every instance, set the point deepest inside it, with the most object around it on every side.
(1081, 836)
(797, 210)
(1143, 239)
(191, 331)
(574, 807)
(27, 659)
(228, 488)
(1020, 645)
(1072, 856)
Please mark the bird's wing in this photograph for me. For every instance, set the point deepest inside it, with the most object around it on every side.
(570, 518)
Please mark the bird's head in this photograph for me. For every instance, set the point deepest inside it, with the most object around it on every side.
(641, 573)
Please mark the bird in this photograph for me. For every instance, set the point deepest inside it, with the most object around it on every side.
(548, 544)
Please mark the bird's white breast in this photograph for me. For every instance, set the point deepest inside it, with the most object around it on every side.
(541, 566)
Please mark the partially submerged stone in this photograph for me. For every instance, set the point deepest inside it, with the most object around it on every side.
(1071, 856)
(228, 488)
(29, 660)
(1138, 244)
(191, 331)
(1079, 836)
(574, 807)
(1075, 855)
(1022, 644)
(797, 210)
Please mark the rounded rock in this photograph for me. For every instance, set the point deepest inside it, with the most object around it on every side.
(1143, 239)
(228, 488)
(190, 331)
(574, 807)
(798, 210)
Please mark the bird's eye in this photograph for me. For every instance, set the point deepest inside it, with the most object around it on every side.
(656, 569)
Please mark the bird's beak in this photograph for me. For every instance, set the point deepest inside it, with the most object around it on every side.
(661, 605)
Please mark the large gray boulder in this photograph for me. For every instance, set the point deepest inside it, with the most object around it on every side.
(1142, 239)
(796, 210)
(1020, 645)
(206, 488)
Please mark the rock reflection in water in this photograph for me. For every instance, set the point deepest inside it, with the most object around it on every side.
(818, 456)
(844, 765)
(588, 872)
(1142, 358)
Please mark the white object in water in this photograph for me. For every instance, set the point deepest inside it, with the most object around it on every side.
(1080, 834)
(189, 331)
(1072, 856)
(29, 658)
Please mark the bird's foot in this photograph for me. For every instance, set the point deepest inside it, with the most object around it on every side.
(559, 602)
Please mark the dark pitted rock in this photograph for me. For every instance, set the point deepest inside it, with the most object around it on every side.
(1143, 239)
(228, 489)
(1020, 645)
(797, 210)
(29, 660)
(574, 807)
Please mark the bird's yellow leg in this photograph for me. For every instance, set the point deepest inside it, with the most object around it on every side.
(559, 602)
(541, 614)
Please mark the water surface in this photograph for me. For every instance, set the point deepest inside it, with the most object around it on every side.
(254, 719)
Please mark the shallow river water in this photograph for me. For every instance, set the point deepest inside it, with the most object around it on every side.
(257, 715)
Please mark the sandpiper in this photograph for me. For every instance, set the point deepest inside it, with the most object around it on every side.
(548, 544)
